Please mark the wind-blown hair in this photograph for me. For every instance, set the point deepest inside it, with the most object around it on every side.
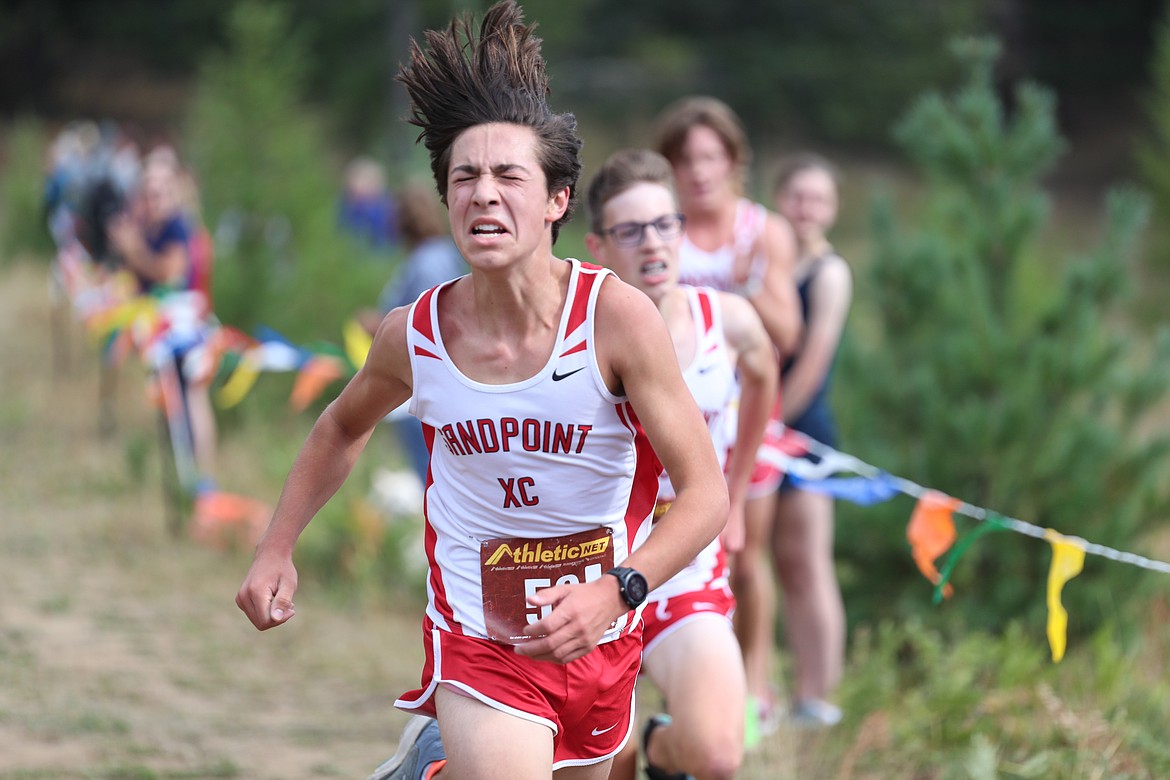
(460, 81)
(624, 169)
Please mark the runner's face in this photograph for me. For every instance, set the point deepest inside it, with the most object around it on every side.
(809, 202)
(652, 266)
(497, 195)
(704, 171)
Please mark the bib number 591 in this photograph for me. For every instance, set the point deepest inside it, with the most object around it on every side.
(533, 584)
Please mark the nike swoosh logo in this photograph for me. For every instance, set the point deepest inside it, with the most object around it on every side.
(599, 732)
(558, 377)
(705, 369)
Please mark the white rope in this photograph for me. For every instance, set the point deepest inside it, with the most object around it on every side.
(833, 461)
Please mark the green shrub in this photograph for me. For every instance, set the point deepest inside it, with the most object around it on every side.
(23, 229)
(993, 706)
(986, 367)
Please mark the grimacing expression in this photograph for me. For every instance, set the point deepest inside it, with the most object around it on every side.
(497, 194)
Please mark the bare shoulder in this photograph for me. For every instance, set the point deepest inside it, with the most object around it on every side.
(382, 383)
(389, 355)
(777, 226)
(833, 274)
(780, 238)
(735, 306)
(620, 305)
(835, 264)
(630, 333)
(741, 324)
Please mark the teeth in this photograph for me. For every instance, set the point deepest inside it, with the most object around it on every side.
(487, 229)
(654, 267)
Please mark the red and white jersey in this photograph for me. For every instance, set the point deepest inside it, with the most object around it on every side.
(526, 479)
(700, 268)
(711, 379)
(710, 376)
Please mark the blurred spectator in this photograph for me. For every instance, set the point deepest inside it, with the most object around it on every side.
(92, 174)
(432, 258)
(158, 239)
(153, 237)
(806, 194)
(367, 210)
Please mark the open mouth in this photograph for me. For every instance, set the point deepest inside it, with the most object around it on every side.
(487, 227)
(653, 268)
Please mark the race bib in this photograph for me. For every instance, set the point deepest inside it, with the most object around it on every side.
(512, 570)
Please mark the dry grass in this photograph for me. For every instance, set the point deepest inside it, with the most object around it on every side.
(122, 653)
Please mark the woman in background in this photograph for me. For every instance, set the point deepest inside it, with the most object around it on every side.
(806, 194)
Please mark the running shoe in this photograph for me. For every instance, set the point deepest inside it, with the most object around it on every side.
(653, 772)
(815, 713)
(418, 748)
(762, 719)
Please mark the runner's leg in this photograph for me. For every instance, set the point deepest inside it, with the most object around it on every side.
(814, 612)
(699, 670)
(484, 743)
(755, 595)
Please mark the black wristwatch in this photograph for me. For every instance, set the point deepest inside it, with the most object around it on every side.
(631, 584)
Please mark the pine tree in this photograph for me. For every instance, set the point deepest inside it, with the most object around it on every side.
(985, 367)
(263, 162)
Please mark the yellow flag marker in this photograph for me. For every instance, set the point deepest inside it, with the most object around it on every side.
(239, 383)
(357, 343)
(1068, 558)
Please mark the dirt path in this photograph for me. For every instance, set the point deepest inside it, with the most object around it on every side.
(122, 653)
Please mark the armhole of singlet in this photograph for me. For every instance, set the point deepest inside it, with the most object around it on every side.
(594, 366)
(715, 312)
(421, 319)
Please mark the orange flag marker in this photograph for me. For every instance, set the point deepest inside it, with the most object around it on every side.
(931, 532)
(312, 380)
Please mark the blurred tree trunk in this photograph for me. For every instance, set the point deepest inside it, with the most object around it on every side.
(401, 22)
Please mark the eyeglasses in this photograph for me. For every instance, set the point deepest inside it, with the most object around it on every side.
(669, 226)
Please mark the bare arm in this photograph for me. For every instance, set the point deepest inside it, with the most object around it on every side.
(758, 372)
(830, 296)
(776, 301)
(645, 368)
(321, 467)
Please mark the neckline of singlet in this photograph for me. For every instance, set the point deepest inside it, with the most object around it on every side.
(549, 365)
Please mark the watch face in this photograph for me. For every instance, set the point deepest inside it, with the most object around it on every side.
(636, 587)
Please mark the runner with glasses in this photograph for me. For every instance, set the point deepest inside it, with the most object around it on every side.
(691, 653)
(627, 234)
